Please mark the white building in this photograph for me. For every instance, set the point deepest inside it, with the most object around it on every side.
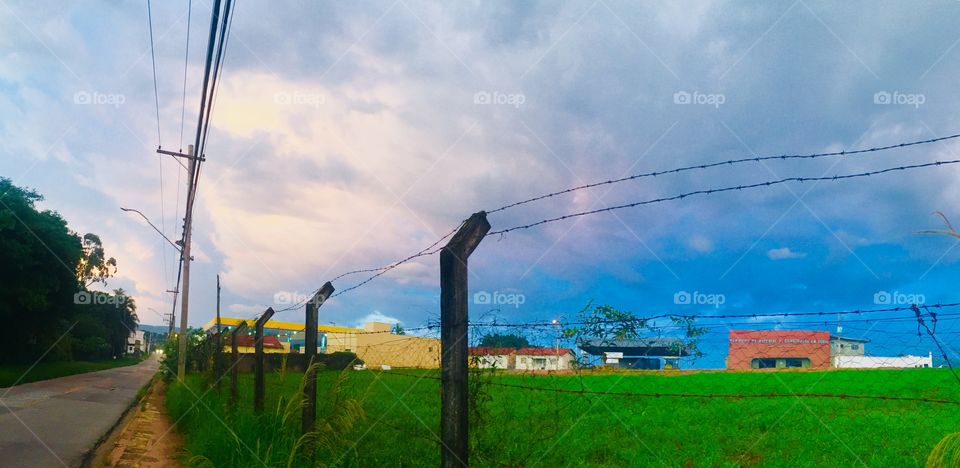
(136, 342)
(544, 359)
(874, 362)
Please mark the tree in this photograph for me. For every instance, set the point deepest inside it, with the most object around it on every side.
(398, 330)
(499, 340)
(94, 266)
(38, 254)
(607, 324)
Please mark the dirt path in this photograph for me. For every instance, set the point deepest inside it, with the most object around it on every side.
(146, 438)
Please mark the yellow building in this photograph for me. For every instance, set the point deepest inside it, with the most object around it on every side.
(375, 344)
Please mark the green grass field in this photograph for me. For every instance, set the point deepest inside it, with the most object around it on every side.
(23, 373)
(521, 427)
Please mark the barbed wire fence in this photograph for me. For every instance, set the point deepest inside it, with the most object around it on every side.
(478, 384)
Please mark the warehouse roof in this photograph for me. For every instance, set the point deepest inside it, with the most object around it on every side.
(638, 347)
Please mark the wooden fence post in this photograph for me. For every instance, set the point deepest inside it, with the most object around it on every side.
(310, 354)
(235, 361)
(258, 382)
(453, 340)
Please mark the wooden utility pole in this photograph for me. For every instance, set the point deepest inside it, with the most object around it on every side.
(309, 416)
(235, 360)
(453, 340)
(185, 255)
(258, 382)
(218, 354)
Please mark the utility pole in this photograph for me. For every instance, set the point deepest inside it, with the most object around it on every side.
(217, 357)
(185, 287)
(173, 311)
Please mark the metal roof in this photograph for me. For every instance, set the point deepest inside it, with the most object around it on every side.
(845, 338)
(636, 348)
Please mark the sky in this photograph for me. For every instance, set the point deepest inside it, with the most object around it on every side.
(347, 135)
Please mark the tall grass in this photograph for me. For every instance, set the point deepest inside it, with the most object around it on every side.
(222, 436)
(372, 418)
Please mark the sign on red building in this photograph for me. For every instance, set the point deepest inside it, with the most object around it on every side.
(768, 349)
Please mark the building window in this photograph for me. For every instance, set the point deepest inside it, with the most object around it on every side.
(764, 363)
(796, 362)
(854, 346)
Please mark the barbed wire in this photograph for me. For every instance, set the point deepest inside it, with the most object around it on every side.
(551, 323)
(429, 250)
(729, 162)
(726, 189)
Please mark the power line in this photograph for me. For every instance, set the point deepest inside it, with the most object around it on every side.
(726, 189)
(186, 56)
(153, 60)
(730, 162)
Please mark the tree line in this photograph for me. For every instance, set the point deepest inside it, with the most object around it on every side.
(46, 271)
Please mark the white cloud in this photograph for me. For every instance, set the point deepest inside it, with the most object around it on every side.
(376, 316)
(784, 253)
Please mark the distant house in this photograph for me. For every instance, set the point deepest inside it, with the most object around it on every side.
(136, 342)
(246, 344)
(522, 358)
(544, 359)
(844, 346)
(492, 358)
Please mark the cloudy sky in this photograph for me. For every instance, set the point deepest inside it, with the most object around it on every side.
(347, 135)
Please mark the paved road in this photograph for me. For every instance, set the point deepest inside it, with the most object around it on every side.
(56, 422)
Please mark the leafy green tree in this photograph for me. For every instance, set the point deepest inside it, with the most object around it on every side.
(398, 330)
(499, 340)
(608, 324)
(94, 266)
(38, 254)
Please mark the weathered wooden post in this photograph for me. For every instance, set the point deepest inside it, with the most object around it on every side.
(235, 361)
(453, 340)
(310, 355)
(258, 382)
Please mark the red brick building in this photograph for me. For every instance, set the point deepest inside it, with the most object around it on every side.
(769, 349)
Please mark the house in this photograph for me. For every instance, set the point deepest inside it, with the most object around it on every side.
(246, 344)
(844, 346)
(544, 359)
(642, 353)
(136, 342)
(492, 358)
(522, 358)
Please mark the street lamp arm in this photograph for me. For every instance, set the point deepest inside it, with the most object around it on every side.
(175, 246)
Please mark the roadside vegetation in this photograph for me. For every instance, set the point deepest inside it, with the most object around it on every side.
(48, 271)
(370, 411)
